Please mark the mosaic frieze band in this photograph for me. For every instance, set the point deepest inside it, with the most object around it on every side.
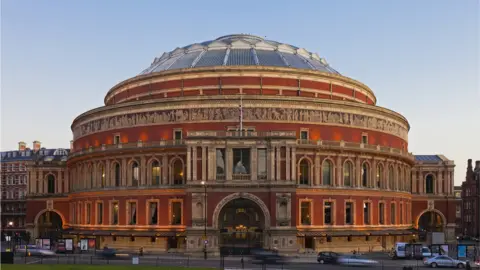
(232, 114)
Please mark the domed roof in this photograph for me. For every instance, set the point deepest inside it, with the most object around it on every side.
(239, 50)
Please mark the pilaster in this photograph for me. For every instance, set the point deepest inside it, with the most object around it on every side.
(288, 163)
(165, 171)
(204, 163)
(109, 181)
(58, 182)
(316, 170)
(271, 163)
(440, 182)
(124, 175)
(358, 173)
(373, 174)
(194, 165)
(414, 181)
(278, 163)
(212, 164)
(189, 164)
(294, 164)
(253, 165)
(143, 169)
(339, 174)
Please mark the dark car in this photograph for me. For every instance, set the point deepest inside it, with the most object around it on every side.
(327, 257)
(268, 257)
(112, 254)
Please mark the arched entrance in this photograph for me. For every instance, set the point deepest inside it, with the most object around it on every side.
(430, 221)
(49, 225)
(242, 220)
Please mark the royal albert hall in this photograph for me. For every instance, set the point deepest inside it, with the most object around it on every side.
(241, 142)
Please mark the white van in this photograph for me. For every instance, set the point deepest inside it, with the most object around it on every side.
(406, 250)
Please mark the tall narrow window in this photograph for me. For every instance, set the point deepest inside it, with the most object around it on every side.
(379, 176)
(99, 213)
(133, 213)
(305, 212)
(178, 136)
(178, 172)
(304, 172)
(116, 139)
(135, 174)
(347, 174)
(155, 173)
(365, 139)
(51, 184)
(115, 213)
(366, 213)
(303, 136)
(176, 213)
(328, 213)
(349, 213)
(220, 160)
(429, 185)
(327, 172)
(365, 175)
(381, 213)
(392, 214)
(241, 164)
(117, 175)
(88, 213)
(153, 213)
(262, 164)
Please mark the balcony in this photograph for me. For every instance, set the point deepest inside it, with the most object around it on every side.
(238, 134)
(129, 146)
(342, 145)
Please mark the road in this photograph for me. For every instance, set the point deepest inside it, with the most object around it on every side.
(232, 263)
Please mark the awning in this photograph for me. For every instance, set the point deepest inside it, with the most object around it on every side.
(124, 233)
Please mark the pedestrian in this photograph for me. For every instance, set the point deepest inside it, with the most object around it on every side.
(469, 267)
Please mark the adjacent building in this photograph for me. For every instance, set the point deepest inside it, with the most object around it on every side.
(471, 201)
(242, 142)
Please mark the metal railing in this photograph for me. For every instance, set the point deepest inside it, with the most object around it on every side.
(223, 134)
(127, 146)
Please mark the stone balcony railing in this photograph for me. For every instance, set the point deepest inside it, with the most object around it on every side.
(334, 145)
(244, 134)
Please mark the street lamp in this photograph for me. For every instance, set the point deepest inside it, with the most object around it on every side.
(205, 241)
(8, 238)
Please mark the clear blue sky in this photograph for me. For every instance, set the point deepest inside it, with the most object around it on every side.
(421, 58)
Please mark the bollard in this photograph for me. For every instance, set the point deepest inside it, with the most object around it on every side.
(156, 261)
(91, 259)
(188, 261)
(58, 259)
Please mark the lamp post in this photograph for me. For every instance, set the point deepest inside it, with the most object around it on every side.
(205, 241)
(9, 237)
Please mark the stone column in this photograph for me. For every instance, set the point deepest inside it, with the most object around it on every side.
(316, 171)
(32, 182)
(271, 172)
(144, 181)
(204, 163)
(414, 181)
(165, 171)
(339, 175)
(440, 182)
(279, 163)
(421, 182)
(58, 182)
(358, 173)
(124, 176)
(288, 163)
(253, 164)
(109, 181)
(194, 165)
(212, 164)
(189, 164)
(42, 180)
(294, 164)
(449, 183)
(373, 174)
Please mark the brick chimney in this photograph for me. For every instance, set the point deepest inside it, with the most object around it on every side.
(22, 146)
(36, 145)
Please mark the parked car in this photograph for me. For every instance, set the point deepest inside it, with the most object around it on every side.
(444, 261)
(356, 260)
(327, 257)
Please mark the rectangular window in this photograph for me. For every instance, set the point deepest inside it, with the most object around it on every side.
(366, 213)
(99, 213)
(116, 139)
(115, 213)
(241, 164)
(305, 211)
(401, 213)
(364, 138)
(304, 135)
(176, 213)
(132, 206)
(381, 213)
(153, 213)
(349, 213)
(392, 214)
(177, 135)
(328, 213)
(87, 214)
(262, 164)
(220, 163)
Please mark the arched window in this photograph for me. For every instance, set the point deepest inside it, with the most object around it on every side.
(117, 175)
(429, 185)
(327, 173)
(365, 172)
(135, 174)
(50, 184)
(155, 173)
(304, 172)
(391, 179)
(379, 175)
(347, 174)
(178, 172)
(102, 175)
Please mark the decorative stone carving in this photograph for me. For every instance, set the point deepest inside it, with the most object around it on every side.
(431, 205)
(283, 207)
(198, 209)
(231, 114)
